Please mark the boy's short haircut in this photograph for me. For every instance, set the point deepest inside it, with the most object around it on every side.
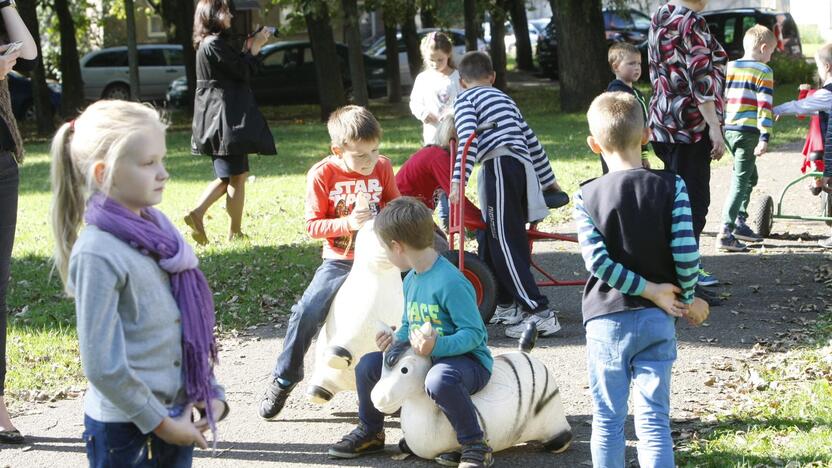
(405, 220)
(475, 66)
(824, 54)
(619, 52)
(757, 36)
(616, 121)
(351, 124)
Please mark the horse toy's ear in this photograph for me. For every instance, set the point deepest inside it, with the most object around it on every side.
(395, 352)
(383, 327)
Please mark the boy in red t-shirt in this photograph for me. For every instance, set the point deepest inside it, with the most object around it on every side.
(343, 191)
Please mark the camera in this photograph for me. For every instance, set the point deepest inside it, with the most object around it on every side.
(271, 29)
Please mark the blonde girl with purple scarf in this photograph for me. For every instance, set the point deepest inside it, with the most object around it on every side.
(144, 311)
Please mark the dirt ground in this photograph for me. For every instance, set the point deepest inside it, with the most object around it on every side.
(761, 289)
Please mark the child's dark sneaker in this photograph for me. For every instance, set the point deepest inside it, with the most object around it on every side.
(707, 279)
(358, 442)
(476, 455)
(815, 190)
(274, 399)
(728, 243)
(745, 233)
(448, 458)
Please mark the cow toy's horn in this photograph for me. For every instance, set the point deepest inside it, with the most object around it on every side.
(528, 338)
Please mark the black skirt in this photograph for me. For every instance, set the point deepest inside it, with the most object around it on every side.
(227, 166)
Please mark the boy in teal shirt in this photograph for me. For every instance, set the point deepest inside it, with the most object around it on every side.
(435, 292)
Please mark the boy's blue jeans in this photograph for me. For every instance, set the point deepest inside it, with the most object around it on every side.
(636, 347)
(308, 315)
(449, 383)
(122, 445)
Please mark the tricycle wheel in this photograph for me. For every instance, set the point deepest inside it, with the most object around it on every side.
(761, 216)
(826, 207)
(481, 278)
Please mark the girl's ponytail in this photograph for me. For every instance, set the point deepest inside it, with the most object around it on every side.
(67, 210)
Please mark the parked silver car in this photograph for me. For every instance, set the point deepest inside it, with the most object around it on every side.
(106, 73)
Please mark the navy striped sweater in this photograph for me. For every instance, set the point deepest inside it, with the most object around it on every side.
(634, 226)
(485, 104)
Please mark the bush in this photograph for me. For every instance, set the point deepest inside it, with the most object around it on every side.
(792, 70)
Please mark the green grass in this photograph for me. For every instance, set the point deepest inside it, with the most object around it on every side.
(260, 278)
(789, 421)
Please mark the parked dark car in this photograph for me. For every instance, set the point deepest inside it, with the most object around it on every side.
(729, 27)
(287, 76)
(620, 25)
(23, 103)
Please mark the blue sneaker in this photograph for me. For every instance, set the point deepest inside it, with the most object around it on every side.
(745, 233)
(706, 279)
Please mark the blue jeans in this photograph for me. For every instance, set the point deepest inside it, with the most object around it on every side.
(443, 208)
(636, 347)
(122, 445)
(308, 315)
(449, 383)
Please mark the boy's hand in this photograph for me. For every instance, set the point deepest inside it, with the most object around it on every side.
(431, 119)
(804, 87)
(180, 430)
(553, 187)
(761, 149)
(453, 197)
(717, 142)
(383, 340)
(422, 344)
(698, 312)
(665, 297)
(357, 218)
(217, 409)
(645, 163)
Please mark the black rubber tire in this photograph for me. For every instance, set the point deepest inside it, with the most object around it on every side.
(116, 91)
(826, 206)
(488, 283)
(761, 216)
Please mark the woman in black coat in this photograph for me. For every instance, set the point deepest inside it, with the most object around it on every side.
(227, 124)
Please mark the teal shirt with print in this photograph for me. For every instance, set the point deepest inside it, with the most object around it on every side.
(443, 297)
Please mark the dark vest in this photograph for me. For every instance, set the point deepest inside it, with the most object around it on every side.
(823, 116)
(633, 212)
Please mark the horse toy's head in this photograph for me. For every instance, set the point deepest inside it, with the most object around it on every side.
(402, 376)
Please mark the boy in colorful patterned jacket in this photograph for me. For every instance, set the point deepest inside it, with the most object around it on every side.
(748, 121)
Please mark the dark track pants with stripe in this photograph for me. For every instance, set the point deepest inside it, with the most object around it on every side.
(504, 246)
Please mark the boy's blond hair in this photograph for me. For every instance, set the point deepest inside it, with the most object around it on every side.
(405, 220)
(350, 124)
(619, 52)
(756, 36)
(475, 66)
(616, 121)
(824, 54)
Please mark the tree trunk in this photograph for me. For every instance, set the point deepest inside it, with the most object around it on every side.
(472, 29)
(132, 50)
(40, 92)
(184, 23)
(72, 96)
(411, 38)
(523, 45)
(327, 64)
(582, 52)
(427, 13)
(391, 45)
(498, 44)
(356, 56)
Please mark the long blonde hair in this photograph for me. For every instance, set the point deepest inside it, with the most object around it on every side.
(437, 40)
(445, 130)
(100, 134)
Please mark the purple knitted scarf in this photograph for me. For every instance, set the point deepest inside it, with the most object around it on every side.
(153, 234)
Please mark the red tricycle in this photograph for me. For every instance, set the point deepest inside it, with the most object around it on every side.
(476, 270)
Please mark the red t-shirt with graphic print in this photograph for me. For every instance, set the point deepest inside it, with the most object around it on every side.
(331, 191)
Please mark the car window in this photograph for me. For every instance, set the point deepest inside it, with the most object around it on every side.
(457, 39)
(284, 58)
(173, 58)
(617, 20)
(729, 31)
(641, 21)
(116, 58)
(151, 58)
(307, 55)
(748, 22)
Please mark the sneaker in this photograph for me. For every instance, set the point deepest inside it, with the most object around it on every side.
(476, 455)
(726, 242)
(707, 296)
(358, 442)
(706, 279)
(448, 458)
(274, 399)
(743, 232)
(546, 322)
(508, 314)
(826, 243)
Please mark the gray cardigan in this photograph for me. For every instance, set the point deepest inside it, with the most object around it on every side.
(129, 331)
